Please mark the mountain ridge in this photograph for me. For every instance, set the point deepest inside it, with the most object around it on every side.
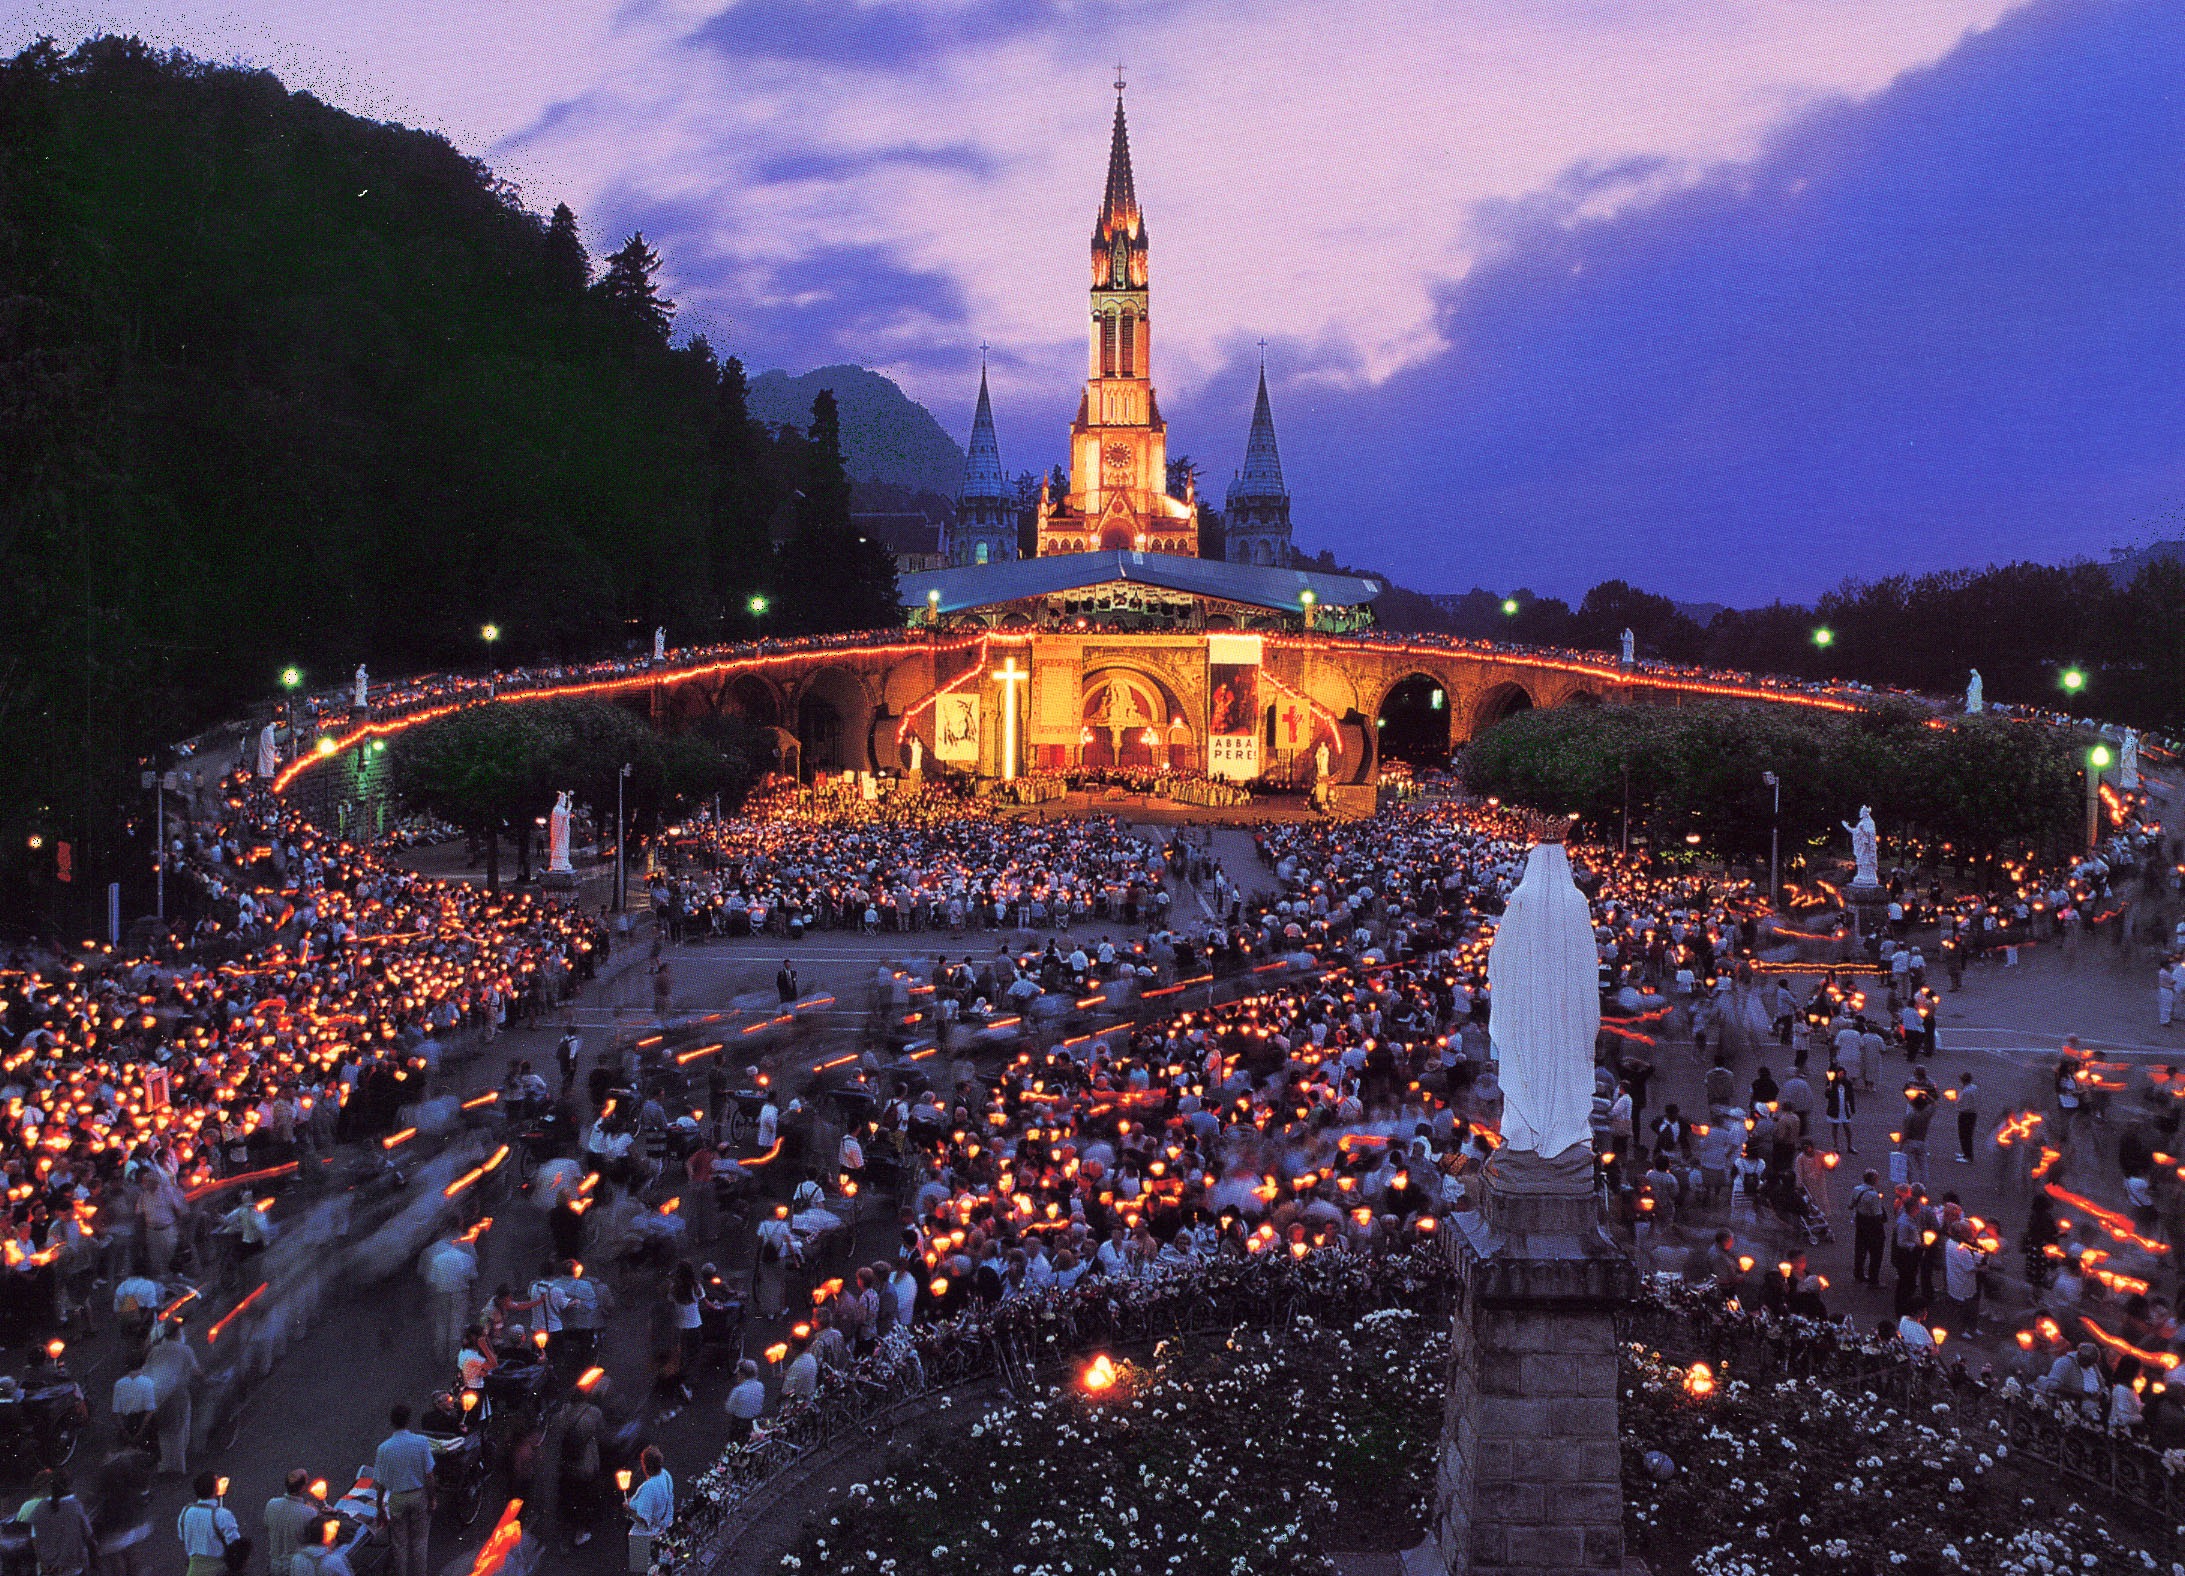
(886, 435)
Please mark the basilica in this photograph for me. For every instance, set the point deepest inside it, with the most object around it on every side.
(1119, 547)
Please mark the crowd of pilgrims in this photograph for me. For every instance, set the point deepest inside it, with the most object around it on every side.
(317, 989)
(914, 858)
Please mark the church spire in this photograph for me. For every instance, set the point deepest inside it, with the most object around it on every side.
(1262, 477)
(983, 476)
(1119, 221)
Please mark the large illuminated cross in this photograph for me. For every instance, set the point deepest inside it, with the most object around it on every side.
(1009, 676)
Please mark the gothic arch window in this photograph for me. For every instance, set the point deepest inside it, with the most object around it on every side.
(978, 554)
(1127, 344)
(1107, 344)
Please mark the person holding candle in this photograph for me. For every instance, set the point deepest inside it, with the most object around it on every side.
(651, 1504)
(291, 1518)
(208, 1529)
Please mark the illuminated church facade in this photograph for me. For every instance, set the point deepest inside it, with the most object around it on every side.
(1118, 498)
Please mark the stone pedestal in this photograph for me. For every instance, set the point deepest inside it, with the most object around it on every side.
(1530, 1479)
(1869, 906)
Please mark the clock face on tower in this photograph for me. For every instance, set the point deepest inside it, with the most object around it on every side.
(1115, 461)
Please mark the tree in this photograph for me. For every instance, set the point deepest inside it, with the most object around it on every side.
(824, 504)
(1659, 629)
(568, 265)
(742, 497)
(629, 291)
(1972, 793)
(831, 577)
(495, 767)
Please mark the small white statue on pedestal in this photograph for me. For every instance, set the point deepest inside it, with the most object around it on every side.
(557, 837)
(269, 753)
(2128, 761)
(363, 686)
(1975, 701)
(917, 754)
(1631, 648)
(1865, 848)
(660, 645)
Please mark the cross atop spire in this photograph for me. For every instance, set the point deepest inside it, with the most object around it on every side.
(1119, 79)
(1119, 217)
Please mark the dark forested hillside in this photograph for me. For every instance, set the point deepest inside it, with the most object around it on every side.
(281, 385)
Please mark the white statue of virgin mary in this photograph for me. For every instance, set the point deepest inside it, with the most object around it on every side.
(1545, 1001)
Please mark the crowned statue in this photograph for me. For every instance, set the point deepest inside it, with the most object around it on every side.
(660, 644)
(1631, 648)
(364, 684)
(1865, 848)
(1975, 703)
(2128, 761)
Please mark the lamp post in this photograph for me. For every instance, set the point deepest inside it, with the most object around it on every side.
(2097, 762)
(1775, 822)
(291, 681)
(933, 608)
(621, 880)
(1306, 599)
(1824, 637)
(489, 634)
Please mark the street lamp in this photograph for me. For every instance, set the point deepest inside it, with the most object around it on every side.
(2073, 680)
(2097, 761)
(1775, 820)
(1306, 599)
(490, 633)
(933, 607)
(1824, 637)
(621, 880)
(758, 605)
(1509, 606)
(291, 681)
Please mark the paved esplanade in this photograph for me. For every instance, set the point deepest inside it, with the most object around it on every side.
(324, 1408)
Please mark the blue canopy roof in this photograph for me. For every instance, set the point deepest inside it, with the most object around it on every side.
(985, 585)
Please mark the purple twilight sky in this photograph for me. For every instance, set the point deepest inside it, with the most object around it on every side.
(1731, 298)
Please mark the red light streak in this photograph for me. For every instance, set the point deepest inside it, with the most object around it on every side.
(228, 1318)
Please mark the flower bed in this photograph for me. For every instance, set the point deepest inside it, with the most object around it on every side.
(1251, 1456)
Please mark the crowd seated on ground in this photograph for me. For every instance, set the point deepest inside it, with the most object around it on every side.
(917, 858)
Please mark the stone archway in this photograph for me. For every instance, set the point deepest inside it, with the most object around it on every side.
(753, 699)
(1412, 722)
(1502, 700)
(834, 720)
(1130, 718)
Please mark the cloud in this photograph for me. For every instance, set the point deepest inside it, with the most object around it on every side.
(819, 164)
(1936, 327)
(893, 35)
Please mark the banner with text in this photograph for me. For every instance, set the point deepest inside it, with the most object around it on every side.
(1232, 706)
